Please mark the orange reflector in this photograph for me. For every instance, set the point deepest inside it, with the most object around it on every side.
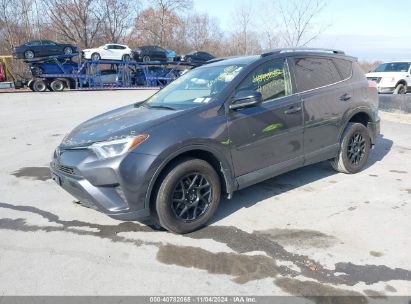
(137, 140)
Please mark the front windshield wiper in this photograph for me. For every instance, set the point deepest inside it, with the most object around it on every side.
(159, 107)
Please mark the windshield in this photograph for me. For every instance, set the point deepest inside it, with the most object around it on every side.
(197, 87)
(393, 67)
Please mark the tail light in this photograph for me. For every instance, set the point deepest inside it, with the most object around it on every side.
(372, 84)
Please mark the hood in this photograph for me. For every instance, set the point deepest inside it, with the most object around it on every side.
(125, 121)
(387, 74)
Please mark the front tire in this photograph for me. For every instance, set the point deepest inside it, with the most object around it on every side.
(146, 59)
(188, 196)
(95, 57)
(354, 149)
(400, 89)
(126, 57)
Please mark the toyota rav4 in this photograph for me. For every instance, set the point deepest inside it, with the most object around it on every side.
(219, 128)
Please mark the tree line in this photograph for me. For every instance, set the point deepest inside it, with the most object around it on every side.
(173, 24)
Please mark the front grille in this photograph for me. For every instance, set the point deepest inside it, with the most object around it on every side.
(67, 170)
(375, 79)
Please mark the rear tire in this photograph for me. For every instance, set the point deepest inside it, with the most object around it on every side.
(400, 89)
(126, 57)
(29, 55)
(354, 149)
(39, 86)
(188, 196)
(68, 51)
(146, 59)
(57, 85)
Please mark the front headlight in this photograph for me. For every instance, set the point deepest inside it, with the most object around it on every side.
(112, 148)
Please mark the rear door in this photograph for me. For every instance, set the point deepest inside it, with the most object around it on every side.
(267, 138)
(325, 97)
(36, 47)
(50, 48)
(111, 52)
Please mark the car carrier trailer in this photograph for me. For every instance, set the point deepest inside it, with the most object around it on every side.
(87, 74)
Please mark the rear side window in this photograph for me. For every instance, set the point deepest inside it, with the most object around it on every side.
(34, 43)
(344, 66)
(312, 73)
(271, 79)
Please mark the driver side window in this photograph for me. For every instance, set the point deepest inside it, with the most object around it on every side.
(272, 80)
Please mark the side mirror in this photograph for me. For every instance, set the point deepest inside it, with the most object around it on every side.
(246, 99)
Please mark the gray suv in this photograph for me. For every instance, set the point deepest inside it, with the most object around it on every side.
(219, 128)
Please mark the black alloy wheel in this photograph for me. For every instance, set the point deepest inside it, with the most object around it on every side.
(356, 149)
(191, 197)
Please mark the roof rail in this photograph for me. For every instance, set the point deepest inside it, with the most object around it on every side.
(217, 59)
(300, 49)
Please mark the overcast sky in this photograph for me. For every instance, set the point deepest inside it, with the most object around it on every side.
(367, 29)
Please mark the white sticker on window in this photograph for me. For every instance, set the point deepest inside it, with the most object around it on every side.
(198, 100)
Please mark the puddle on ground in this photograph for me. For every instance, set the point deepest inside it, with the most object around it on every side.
(390, 288)
(311, 290)
(299, 238)
(241, 267)
(34, 173)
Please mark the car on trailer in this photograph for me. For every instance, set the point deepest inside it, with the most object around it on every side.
(171, 55)
(196, 57)
(220, 128)
(42, 48)
(53, 66)
(149, 53)
(109, 51)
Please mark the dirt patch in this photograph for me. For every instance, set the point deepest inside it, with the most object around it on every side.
(399, 171)
(33, 173)
(376, 254)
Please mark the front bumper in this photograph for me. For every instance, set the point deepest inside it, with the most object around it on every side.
(116, 186)
(385, 90)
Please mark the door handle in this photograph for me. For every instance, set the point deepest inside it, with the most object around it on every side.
(345, 97)
(292, 110)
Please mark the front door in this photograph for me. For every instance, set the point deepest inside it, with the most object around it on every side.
(268, 139)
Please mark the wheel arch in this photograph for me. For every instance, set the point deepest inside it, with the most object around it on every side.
(206, 153)
(360, 115)
(402, 81)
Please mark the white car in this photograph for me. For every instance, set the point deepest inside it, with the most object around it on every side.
(392, 77)
(109, 51)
